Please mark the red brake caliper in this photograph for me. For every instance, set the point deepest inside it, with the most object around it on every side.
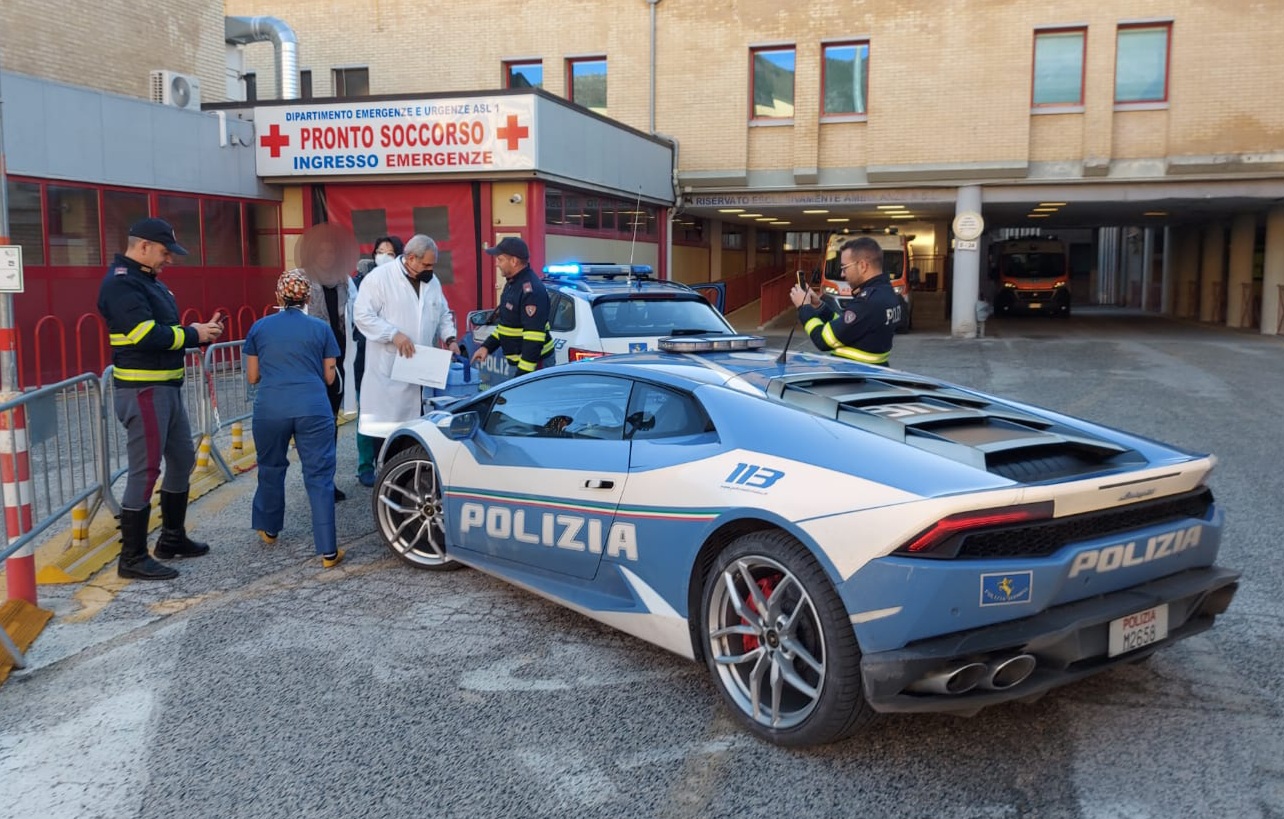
(767, 585)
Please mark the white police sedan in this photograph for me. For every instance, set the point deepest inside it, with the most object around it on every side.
(832, 540)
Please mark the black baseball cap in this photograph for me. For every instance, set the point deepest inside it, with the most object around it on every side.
(159, 231)
(510, 246)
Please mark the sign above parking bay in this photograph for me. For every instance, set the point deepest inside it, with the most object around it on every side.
(413, 136)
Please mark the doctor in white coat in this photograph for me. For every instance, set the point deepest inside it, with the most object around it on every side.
(400, 304)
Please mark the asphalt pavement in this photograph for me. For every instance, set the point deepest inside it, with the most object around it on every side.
(259, 684)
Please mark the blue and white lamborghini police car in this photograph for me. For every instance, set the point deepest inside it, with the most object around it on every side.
(832, 540)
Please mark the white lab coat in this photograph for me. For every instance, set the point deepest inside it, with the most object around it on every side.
(387, 304)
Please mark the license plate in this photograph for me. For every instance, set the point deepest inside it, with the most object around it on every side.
(1035, 305)
(1133, 631)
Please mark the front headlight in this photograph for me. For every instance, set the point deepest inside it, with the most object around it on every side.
(1009, 285)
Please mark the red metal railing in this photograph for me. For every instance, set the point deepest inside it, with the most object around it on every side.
(48, 339)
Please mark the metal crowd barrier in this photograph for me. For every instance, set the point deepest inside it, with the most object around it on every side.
(61, 446)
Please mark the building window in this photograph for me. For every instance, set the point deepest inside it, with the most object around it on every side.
(1141, 63)
(352, 82)
(568, 212)
(73, 226)
(305, 84)
(690, 230)
(26, 222)
(525, 74)
(184, 213)
(121, 209)
(586, 81)
(1058, 67)
(222, 227)
(263, 230)
(845, 78)
(251, 81)
(733, 237)
(773, 83)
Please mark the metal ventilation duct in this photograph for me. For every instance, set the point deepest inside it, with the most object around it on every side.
(245, 30)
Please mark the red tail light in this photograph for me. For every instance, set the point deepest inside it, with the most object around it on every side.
(942, 539)
(576, 354)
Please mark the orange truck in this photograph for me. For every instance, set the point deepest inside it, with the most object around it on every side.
(895, 265)
(1031, 276)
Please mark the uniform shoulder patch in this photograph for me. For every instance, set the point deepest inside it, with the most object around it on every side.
(121, 271)
(849, 317)
(530, 310)
(508, 305)
(526, 287)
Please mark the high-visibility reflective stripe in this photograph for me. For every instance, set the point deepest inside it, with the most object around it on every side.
(501, 330)
(862, 356)
(526, 366)
(533, 335)
(147, 375)
(133, 336)
(839, 349)
(179, 338)
(827, 335)
(812, 324)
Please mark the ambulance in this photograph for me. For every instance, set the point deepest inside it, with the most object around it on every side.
(1031, 276)
(895, 265)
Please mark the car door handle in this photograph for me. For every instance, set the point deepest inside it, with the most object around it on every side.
(599, 484)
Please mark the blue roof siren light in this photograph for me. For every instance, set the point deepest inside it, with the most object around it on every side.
(601, 270)
(711, 344)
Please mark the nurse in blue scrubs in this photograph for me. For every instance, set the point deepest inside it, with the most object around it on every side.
(291, 356)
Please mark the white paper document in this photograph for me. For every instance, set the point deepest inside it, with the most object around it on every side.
(430, 367)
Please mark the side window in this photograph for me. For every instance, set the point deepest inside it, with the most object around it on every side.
(571, 406)
(657, 412)
(561, 313)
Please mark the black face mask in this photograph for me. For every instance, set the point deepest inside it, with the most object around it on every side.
(424, 276)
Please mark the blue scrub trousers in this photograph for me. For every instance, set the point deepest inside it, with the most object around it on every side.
(314, 441)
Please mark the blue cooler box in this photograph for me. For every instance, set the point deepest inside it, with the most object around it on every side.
(462, 381)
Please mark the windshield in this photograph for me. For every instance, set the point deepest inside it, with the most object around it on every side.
(621, 318)
(1033, 265)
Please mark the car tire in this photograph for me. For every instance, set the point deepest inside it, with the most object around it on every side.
(408, 510)
(793, 677)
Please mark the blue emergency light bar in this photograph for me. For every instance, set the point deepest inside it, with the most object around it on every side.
(600, 269)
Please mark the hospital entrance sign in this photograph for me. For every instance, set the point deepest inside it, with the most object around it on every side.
(419, 136)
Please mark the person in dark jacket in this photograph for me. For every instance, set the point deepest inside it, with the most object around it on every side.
(522, 330)
(293, 357)
(863, 330)
(148, 361)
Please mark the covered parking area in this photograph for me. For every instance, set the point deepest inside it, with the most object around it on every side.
(1207, 250)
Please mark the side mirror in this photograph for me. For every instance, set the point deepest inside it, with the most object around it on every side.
(462, 425)
(476, 318)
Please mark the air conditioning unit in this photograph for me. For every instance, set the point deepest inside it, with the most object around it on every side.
(178, 90)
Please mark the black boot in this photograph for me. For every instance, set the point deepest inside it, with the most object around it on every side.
(134, 561)
(173, 541)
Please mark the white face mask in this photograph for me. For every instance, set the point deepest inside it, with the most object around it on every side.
(383, 258)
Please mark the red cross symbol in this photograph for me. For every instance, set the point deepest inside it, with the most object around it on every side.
(512, 133)
(274, 140)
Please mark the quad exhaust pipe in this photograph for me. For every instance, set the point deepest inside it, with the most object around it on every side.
(958, 680)
(1008, 671)
(997, 675)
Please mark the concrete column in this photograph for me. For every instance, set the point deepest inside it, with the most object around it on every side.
(1239, 279)
(1212, 273)
(1273, 272)
(967, 273)
(715, 250)
(1167, 288)
(1147, 266)
(1186, 299)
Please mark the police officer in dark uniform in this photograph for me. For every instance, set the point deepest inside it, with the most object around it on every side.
(148, 350)
(863, 331)
(522, 332)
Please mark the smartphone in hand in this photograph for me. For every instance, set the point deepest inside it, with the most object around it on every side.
(802, 279)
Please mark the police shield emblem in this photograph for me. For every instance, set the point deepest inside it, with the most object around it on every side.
(849, 317)
(530, 310)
